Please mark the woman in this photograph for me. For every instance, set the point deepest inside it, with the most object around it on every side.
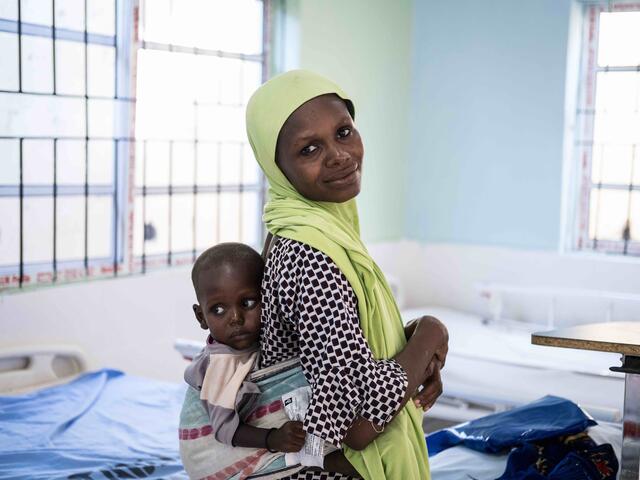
(324, 298)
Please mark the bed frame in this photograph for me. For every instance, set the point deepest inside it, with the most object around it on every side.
(23, 369)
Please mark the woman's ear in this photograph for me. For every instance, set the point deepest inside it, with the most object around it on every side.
(197, 311)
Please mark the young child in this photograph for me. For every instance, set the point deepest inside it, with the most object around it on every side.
(227, 279)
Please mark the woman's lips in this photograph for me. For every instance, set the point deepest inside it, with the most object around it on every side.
(347, 177)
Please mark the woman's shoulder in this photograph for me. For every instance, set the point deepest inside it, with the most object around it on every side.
(299, 255)
(291, 261)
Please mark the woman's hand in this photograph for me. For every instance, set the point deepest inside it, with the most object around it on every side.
(432, 330)
(432, 388)
(288, 438)
(435, 336)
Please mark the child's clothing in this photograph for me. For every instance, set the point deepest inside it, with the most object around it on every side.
(219, 373)
(203, 456)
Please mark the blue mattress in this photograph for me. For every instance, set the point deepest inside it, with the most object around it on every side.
(102, 425)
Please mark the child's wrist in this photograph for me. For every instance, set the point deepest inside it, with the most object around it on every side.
(266, 440)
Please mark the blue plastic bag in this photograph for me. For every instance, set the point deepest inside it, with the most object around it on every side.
(545, 418)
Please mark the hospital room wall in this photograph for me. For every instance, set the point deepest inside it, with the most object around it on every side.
(131, 323)
(364, 46)
(487, 120)
(489, 176)
(128, 323)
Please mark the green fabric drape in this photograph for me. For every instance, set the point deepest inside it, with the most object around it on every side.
(333, 228)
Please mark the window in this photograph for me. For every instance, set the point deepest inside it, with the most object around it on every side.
(122, 137)
(608, 135)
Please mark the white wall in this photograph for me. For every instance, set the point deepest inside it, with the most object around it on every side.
(125, 323)
(447, 275)
(131, 323)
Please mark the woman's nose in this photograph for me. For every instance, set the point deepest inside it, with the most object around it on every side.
(337, 156)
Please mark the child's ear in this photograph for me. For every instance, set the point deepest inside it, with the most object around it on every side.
(197, 311)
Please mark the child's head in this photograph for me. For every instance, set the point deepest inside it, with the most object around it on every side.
(226, 279)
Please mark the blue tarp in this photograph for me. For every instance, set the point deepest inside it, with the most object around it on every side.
(102, 425)
(545, 439)
(545, 418)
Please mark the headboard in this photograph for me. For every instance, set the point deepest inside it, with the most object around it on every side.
(27, 368)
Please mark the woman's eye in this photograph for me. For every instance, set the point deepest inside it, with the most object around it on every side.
(249, 303)
(217, 309)
(344, 132)
(308, 150)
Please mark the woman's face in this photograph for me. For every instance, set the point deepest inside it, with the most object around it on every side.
(320, 151)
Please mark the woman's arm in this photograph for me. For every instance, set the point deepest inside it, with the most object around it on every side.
(310, 294)
(428, 341)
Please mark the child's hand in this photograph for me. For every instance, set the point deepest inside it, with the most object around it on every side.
(288, 438)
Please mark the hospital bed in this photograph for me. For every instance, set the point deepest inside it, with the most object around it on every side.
(492, 365)
(58, 421)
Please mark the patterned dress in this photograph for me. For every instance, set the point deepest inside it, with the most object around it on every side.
(310, 311)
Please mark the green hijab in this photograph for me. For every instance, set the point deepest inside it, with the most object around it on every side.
(333, 228)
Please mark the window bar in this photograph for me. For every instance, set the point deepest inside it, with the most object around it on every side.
(86, 143)
(116, 156)
(170, 203)
(598, 186)
(218, 189)
(626, 233)
(266, 55)
(594, 243)
(21, 268)
(20, 66)
(115, 45)
(240, 195)
(54, 260)
(53, 43)
(72, 95)
(144, 206)
(195, 180)
(241, 169)
(266, 39)
(55, 211)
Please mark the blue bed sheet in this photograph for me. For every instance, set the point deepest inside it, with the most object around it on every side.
(102, 425)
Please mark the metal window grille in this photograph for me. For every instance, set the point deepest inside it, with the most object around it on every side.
(96, 182)
(608, 131)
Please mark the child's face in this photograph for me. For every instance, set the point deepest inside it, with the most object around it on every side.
(230, 305)
(320, 151)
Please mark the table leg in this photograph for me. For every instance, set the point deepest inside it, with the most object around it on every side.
(630, 464)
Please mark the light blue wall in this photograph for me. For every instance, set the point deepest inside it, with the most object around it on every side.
(487, 122)
(365, 47)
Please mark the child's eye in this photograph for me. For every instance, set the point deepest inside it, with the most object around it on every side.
(217, 309)
(344, 132)
(308, 150)
(249, 303)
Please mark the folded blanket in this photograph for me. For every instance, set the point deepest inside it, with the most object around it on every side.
(206, 458)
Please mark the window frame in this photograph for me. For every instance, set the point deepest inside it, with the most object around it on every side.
(584, 129)
(61, 271)
(123, 189)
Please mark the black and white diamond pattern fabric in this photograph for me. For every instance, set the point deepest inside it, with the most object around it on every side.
(316, 475)
(310, 310)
